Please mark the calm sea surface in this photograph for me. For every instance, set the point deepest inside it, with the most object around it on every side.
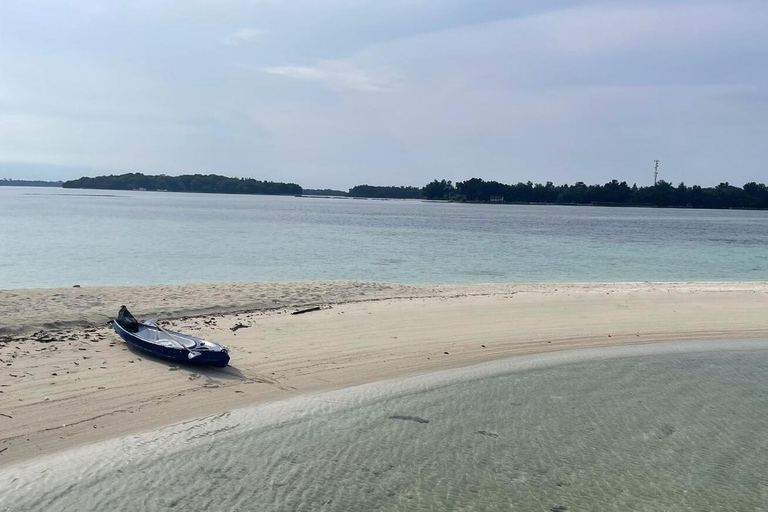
(671, 427)
(56, 237)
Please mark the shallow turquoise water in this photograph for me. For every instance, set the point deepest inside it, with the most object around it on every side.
(56, 237)
(670, 427)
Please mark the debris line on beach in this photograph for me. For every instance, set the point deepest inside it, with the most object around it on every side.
(307, 310)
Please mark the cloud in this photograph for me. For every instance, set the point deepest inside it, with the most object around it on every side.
(564, 90)
(243, 36)
(336, 74)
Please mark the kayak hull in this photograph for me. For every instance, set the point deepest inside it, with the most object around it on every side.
(200, 355)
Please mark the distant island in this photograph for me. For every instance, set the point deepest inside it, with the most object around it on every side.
(324, 192)
(204, 183)
(476, 190)
(387, 192)
(369, 191)
(29, 183)
(613, 193)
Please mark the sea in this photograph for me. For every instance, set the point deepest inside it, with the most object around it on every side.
(666, 427)
(60, 237)
(654, 428)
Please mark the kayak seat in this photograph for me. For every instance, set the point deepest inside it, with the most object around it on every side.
(127, 321)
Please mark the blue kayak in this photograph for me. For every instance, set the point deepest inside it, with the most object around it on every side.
(167, 344)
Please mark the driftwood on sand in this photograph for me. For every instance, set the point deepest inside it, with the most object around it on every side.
(307, 310)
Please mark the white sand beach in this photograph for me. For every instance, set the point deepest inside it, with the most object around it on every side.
(69, 380)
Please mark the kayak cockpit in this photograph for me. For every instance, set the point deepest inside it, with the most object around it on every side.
(153, 339)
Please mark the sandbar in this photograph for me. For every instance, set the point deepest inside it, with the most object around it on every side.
(69, 380)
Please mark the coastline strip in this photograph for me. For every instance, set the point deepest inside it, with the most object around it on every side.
(65, 387)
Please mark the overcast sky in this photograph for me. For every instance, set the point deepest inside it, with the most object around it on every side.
(334, 93)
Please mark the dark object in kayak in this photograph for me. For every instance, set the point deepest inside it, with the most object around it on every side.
(168, 344)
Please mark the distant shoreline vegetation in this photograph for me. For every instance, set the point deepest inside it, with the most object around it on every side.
(29, 183)
(324, 192)
(202, 183)
(614, 193)
(387, 192)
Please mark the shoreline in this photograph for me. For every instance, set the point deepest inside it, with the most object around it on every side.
(70, 382)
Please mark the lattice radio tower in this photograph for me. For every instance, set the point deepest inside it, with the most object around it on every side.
(655, 172)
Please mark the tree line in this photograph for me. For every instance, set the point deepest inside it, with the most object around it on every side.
(386, 192)
(205, 183)
(663, 194)
(324, 192)
(613, 193)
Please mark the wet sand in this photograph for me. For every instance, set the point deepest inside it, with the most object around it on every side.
(72, 381)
